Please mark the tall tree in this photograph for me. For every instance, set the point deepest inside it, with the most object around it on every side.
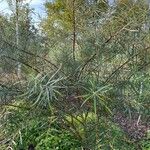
(68, 22)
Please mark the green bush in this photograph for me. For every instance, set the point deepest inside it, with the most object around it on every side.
(146, 142)
(58, 140)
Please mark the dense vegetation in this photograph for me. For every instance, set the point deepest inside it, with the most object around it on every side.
(80, 80)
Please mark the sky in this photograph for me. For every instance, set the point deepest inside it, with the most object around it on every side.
(36, 4)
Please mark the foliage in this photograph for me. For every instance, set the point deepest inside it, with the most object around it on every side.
(55, 139)
(85, 76)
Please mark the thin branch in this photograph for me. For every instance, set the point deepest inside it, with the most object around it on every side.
(9, 88)
(121, 66)
(23, 63)
(29, 53)
(144, 65)
(74, 31)
(11, 105)
(102, 46)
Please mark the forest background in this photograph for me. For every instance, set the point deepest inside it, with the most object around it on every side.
(77, 78)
